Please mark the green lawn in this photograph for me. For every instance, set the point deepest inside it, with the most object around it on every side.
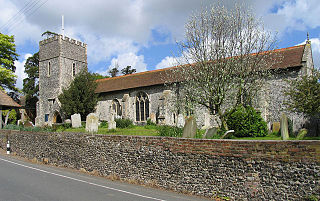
(135, 130)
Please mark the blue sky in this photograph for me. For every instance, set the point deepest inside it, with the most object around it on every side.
(141, 33)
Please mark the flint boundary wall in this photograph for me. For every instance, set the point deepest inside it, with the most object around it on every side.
(239, 170)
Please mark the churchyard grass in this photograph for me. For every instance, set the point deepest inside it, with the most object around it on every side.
(134, 130)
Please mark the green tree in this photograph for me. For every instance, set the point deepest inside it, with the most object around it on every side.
(304, 94)
(11, 118)
(127, 70)
(80, 96)
(114, 71)
(98, 76)
(7, 57)
(31, 85)
(7, 79)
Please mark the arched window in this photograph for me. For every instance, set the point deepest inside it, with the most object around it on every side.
(49, 69)
(116, 107)
(142, 107)
(73, 69)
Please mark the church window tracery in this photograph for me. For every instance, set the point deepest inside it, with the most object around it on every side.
(142, 107)
(116, 107)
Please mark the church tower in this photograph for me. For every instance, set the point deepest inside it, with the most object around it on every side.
(60, 60)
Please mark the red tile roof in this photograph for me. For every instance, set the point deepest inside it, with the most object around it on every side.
(291, 57)
(6, 101)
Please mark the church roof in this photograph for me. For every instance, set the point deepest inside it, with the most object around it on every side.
(291, 57)
(6, 101)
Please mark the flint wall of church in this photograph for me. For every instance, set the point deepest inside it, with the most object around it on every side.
(127, 99)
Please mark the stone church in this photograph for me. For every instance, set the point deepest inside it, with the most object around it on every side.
(143, 96)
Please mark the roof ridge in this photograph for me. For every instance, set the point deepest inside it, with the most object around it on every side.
(163, 69)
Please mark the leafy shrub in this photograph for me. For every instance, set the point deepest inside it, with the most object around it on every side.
(12, 118)
(34, 129)
(124, 123)
(104, 124)
(246, 122)
(170, 131)
(150, 123)
(13, 127)
(199, 133)
(61, 127)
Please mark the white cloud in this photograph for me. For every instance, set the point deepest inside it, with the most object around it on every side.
(20, 71)
(293, 15)
(167, 62)
(127, 59)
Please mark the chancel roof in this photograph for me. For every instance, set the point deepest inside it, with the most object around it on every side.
(290, 57)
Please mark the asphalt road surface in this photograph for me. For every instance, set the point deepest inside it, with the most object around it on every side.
(24, 181)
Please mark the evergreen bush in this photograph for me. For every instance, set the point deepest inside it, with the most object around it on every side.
(246, 122)
(124, 123)
(170, 131)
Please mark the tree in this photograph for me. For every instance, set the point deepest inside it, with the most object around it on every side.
(7, 57)
(304, 94)
(127, 70)
(114, 71)
(80, 96)
(7, 79)
(226, 53)
(31, 85)
(98, 76)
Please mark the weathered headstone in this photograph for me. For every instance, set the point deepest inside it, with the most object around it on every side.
(207, 119)
(76, 120)
(210, 132)
(112, 116)
(112, 125)
(92, 123)
(67, 121)
(284, 127)
(275, 126)
(180, 121)
(190, 128)
(302, 133)
(153, 118)
(227, 134)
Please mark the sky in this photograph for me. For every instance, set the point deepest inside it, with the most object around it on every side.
(142, 33)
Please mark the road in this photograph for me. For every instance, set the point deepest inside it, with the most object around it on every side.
(25, 181)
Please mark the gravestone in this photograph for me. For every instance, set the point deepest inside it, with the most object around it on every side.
(284, 127)
(190, 128)
(67, 121)
(180, 121)
(227, 134)
(210, 132)
(153, 118)
(275, 126)
(302, 133)
(112, 125)
(207, 119)
(92, 123)
(76, 120)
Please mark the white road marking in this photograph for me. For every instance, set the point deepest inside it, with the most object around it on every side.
(79, 180)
